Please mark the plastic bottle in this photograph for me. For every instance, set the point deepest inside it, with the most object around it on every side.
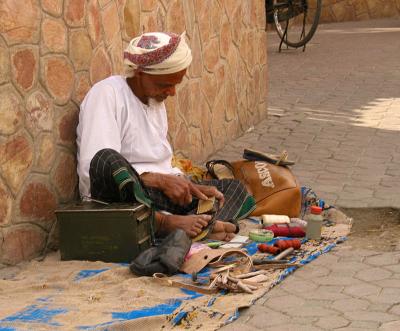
(314, 223)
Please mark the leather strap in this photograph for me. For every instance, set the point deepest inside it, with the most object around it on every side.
(166, 281)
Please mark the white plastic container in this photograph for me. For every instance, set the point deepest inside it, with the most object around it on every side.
(314, 223)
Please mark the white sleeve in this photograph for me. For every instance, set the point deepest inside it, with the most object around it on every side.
(98, 128)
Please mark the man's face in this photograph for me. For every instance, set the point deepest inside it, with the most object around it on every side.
(159, 87)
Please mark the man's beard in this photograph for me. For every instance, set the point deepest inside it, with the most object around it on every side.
(154, 103)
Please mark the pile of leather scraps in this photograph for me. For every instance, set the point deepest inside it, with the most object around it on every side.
(229, 269)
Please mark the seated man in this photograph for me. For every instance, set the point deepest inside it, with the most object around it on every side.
(123, 151)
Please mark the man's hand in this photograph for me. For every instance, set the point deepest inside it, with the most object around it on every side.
(179, 189)
(211, 191)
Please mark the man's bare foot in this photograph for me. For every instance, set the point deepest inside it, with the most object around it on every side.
(224, 231)
(191, 224)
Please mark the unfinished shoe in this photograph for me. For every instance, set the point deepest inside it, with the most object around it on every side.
(281, 159)
(220, 169)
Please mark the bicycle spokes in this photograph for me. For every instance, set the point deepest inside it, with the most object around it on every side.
(295, 20)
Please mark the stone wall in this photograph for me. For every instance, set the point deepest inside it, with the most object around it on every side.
(52, 51)
(357, 10)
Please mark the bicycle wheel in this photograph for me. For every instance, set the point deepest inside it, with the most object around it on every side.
(299, 18)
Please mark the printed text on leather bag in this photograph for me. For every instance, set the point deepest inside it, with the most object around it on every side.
(264, 174)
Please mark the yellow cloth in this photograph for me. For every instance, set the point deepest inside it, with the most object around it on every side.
(194, 172)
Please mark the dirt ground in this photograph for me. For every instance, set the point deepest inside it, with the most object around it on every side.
(374, 228)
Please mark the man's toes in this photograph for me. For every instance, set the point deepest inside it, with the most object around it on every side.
(229, 236)
(218, 227)
(229, 227)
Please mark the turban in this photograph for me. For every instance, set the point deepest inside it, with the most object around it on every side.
(157, 53)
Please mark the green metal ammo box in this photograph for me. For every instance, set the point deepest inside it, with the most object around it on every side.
(98, 232)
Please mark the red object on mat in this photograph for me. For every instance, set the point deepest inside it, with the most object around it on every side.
(286, 230)
(264, 248)
(279, 246)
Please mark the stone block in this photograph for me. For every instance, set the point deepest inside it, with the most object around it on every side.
(149, 22)
(184, 100)
(373, 274)
(54, 35)
(336, 280)
(110, 21)
(287, 301)
(39, 113)
(208, 84)
(104, 3)
(25, 66)
(45, 152)
(4, 63)
(100, 66)
(6, 202)
(82, 86)
(385, 259)
(171, 105)
(395, 310)
(188, 8)
(310, 272)
(19, 21)
(211, 54)
(344, 305)
(148, 5)
(175, 18)
(363, 325)
(231, 101)
(216, 12)
(94, 21)
(66, 124)
(196, 67)
(197, 151)
(332, 322)
(80, 49)
(181, 141)
(203, 19)
(22, 242)
(361, 290)
(74, 12)
(274, 318)
(37, 204)
(64, 177)
(11, 110)
(58, 76)
(390, 326)
(53, 7)
(16, 158)
(225, 38)
(364, 315)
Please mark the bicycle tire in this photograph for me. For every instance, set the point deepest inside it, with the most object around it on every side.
(284, 14)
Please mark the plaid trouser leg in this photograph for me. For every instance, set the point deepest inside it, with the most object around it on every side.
(103, 185)
(112, 179)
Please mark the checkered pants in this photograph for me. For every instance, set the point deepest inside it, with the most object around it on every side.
(113, 179)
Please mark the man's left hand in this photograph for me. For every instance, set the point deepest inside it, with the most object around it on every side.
(211, 191)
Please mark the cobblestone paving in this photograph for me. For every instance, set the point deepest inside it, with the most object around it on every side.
(336, 109)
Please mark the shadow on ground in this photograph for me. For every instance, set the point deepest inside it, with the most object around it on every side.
(374, 228)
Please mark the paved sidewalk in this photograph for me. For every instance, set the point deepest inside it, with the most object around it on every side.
(336, 109)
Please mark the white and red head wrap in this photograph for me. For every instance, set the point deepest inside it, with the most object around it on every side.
(157, 53)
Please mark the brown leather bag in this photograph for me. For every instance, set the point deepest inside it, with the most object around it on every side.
(275, 188)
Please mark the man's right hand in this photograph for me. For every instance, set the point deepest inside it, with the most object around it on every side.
(177, 188)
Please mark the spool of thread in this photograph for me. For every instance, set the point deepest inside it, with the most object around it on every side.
(275, 219)
(261, 235)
